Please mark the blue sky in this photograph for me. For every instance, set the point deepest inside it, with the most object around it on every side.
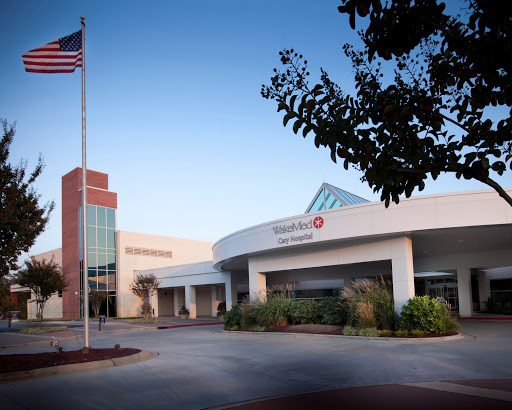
(174, 112)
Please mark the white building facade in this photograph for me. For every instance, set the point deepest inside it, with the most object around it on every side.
(446, 245)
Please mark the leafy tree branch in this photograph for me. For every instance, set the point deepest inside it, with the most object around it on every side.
(445, 71)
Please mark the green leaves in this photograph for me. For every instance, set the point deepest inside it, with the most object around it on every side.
(446, 73)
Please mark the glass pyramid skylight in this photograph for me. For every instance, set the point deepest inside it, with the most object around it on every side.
(330, 197)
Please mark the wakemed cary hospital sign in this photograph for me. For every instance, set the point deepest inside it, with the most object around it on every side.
(281, 230)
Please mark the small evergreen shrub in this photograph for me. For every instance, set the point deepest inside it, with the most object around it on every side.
(401, 333)
(255, 328)
(418, 333)
(350, 331)
(233, 318)
(369, 332)
(332, 311)
(424, 314)
(386, 332)
(302, 312)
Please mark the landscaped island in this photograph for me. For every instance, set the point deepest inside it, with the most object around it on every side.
(366, 309)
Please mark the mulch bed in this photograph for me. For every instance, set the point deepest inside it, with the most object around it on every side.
(18, 362)
(336, 330)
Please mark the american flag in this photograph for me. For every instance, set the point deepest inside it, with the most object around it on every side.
(60, 56)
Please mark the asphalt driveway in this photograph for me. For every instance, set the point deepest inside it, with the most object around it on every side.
(204, 367)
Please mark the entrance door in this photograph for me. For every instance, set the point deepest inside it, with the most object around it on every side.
(448, 291)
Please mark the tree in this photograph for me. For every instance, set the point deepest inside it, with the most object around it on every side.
(22, 218)
(96, 298)
(5, 296)
(450, 73)
(44, 279)
(144, 286)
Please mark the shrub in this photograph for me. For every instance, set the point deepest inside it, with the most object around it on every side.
(350, 331)
(424, 314)
(273, 312)
(247, 308)
(386, 332)
(332, 311)
(451, 323)
(255, 328)
(418, 333)
(369, 332)
(402, 333)
(365, 315)
(233, 318)
(221, 309)
(350, 301)
(379, 296)
(499, 304)
(303, 312)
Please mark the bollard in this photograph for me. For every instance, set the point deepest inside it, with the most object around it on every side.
(102, 318)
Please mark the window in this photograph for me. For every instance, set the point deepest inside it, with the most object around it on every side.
(101, 249)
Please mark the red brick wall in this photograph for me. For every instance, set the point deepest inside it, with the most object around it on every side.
(71, 201)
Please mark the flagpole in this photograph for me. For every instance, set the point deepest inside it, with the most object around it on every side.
(84, 201)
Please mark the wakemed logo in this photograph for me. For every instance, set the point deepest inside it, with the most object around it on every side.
(284, 229)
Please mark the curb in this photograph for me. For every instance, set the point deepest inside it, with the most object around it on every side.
(365, 338)
(77, 367)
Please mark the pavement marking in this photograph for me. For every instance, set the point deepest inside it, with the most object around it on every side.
(462, 389)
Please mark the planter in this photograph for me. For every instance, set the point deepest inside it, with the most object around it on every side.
(184, 316)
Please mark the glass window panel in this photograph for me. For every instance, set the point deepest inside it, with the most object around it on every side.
(319, 202)
(102, 218)
(111, 281)
(80, 225)
(345, 197)
(102, 280)
(111, 218)
(329, 202)
(91, 215)
(111, 239)
(92, 284)
(91, 236)
(91, 260)
(111, 262)
(102, 237)
(102, 261)
(335, 204)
